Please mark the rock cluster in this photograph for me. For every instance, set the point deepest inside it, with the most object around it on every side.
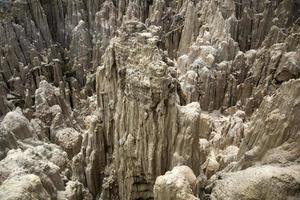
(154, 99)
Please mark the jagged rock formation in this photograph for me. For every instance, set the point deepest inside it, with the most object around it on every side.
(148, 122)
(154, 99)
(278, 116)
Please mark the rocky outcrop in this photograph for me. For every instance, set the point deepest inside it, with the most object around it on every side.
(18, 124)
(218, 75)
(148, 123)
(102, 99)
(27, 186)
(269, 150)
(177, 184)
(32, 162)
(269, 182)
(273, 132)
(93, 154)
(70, 140)
(75, 190)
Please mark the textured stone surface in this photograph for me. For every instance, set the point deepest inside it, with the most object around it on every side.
(268, 182)
(18, 124)
(27, 186)
(142, 93)
(102, 99)
(177, 184)
(273, 133)
(70, 140)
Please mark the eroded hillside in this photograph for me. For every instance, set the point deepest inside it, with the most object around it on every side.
(149, 99)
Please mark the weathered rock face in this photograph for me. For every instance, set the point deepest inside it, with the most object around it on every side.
(218, 75)
(30, 161)
(25, 187)
(273, 133)
(18, 124)
(155, 99)
(267, 181)
(149, 125)
(176, 184)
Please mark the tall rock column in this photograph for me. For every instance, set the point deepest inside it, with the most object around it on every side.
(137, 92)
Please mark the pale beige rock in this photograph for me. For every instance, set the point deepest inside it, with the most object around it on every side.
(220, 139)
(75, 190)
(17, 123)
(289, 67)
(130, 89)
(33, 162)
(211, 165)
(186, 141)
(141, 92)
(269, 182)
(70, 140)
(274, 125)
(23, 186)
(93, 154)
(178, 184)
